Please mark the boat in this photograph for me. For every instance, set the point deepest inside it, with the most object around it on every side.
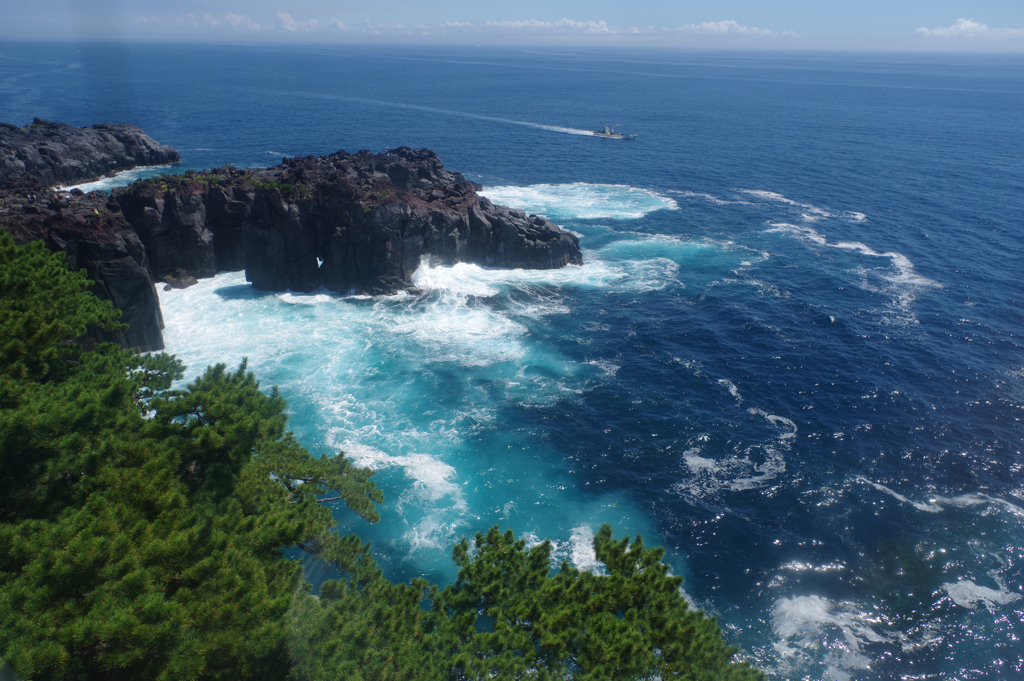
(609, 132)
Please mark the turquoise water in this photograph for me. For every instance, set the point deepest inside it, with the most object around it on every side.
(792, 356)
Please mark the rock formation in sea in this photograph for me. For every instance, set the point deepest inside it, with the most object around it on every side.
(58, 153)
(358, 222)
(349, 222)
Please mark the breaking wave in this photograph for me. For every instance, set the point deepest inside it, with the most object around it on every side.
(581, 201)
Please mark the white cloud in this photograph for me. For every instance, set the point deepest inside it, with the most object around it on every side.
(560, 26)
(729, 27)
(202, 21)
(207, 21)
(240, 21)
(969, 28)
(527, 28)
(290, 24)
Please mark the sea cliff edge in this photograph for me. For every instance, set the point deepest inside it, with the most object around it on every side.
(358, 222)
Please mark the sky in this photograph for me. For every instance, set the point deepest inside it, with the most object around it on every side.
(870, 25)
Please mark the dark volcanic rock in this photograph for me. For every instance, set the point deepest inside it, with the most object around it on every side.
(179, 278)
(57, 153)
(350, 222)
(93, 234)
(346, 221)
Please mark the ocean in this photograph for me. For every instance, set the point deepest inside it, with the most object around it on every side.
(792, 357)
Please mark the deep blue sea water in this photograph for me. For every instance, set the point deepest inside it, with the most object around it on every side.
(793, 356)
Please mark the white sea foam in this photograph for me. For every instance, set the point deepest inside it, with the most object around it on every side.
(453, 319)
(731, 387)
(462, 279)
(122, 179)
(710, 198)
(434, 493)
(812, 213)
(403, 383)
(468, 335)
(581, 201)
(698, 463)
(937, 503)
(643, 274)
(770, 196)
(748, 468)
(797, 566)
(901, 283)
(775, 420)
(305, 299)
(431, 533)
(967, 594)
(821, 638)
(921, 506)
(433, 479)
(609, 368)
(905, 272)
(805, 233)
(582, 549)
(578, 549)
(552, 128)
(751, 468)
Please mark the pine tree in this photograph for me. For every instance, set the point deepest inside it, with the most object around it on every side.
(516, 620)
(509, 616)
(141, 529)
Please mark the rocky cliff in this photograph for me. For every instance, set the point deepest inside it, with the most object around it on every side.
(57, 153)
(94, 236)
(351, 222)
(359, 222)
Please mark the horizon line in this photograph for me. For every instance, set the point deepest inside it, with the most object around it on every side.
(661, 47)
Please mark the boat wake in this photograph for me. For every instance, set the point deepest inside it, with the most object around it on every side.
(449, 112)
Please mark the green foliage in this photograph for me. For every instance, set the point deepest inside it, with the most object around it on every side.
(169, 182)
(141, 529)
(632, 623)
(285, 188)
(377, 632)
(34, 345)
(508, 617)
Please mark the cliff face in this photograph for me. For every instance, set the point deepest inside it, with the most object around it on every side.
(350, 222)
(93, 234)
(346, 221)
(57, 153)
